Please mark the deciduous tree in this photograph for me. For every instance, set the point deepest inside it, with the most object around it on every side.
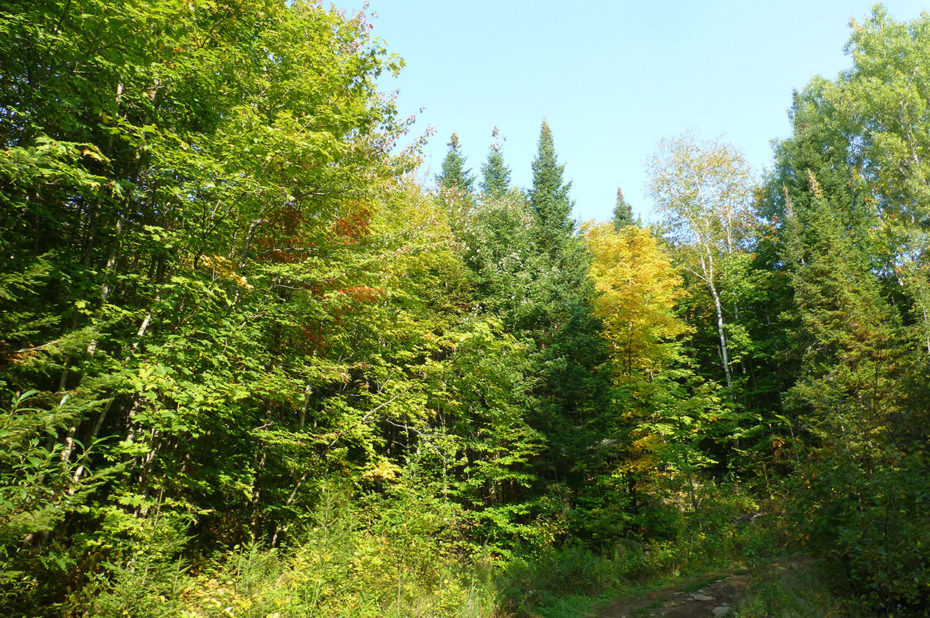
(705, 192)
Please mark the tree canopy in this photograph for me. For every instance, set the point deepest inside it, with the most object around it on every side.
(249, 366)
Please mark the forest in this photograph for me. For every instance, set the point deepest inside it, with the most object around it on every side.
(252, 365)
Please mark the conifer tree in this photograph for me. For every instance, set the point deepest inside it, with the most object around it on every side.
(456, 184)
(454, 175)
(623, 212)
(571, 353)
(549, 199)
(848, 332)
(495, 174)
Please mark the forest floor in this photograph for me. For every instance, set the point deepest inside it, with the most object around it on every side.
(711, 594)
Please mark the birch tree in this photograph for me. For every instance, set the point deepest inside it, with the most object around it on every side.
(704, 192)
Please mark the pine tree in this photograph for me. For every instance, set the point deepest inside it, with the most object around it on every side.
(495, 173)
(623, 212)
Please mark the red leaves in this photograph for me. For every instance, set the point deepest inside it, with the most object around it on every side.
(363, 293)
(289, 237)
(315, 344)
(353, 226)
(344, 300)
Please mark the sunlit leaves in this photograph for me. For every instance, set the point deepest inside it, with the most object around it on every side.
(639, 291)
(705, 190)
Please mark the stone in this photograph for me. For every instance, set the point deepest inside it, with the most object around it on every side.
(699, 596)
(722, 610)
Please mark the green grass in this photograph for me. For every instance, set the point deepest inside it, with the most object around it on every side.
(799, 592)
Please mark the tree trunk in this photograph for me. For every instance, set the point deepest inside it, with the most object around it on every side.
(707, 265)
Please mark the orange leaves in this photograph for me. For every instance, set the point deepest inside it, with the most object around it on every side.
(288, 234)
(354, 225)
(315, 343)
(363, 293)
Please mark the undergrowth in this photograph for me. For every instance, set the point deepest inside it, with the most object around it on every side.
(406, 557)
(793, 592)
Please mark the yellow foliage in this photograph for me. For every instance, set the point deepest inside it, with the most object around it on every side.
(638, 290)
(224, 268)
(383, 470)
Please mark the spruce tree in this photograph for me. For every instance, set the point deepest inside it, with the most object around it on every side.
(623, 212)
(455, 188)
(549, 199)
(573, 385)
(453, 174)
(495, 174)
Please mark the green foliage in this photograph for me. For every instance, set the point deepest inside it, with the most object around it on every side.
(532, 581)
(533, 279)
(573, 579)
(495, 175)
(370, 557)
(456, 185)
(794, 590)
(144, 574)
(208, 290)
(623, 212)
(856, 314)
(549, 199)
(40, 486)
(453, 174)
(867, 514)
(249, 367)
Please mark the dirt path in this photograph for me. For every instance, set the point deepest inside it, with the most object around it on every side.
(714, 594)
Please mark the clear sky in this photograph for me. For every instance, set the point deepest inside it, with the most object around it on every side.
(611, 78)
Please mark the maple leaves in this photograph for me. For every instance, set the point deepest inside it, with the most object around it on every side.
(639, 289)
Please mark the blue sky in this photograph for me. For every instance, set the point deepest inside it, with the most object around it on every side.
(611, 78)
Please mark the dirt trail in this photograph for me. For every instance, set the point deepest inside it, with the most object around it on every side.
(687, 598)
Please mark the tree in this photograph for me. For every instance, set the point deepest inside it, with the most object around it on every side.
(663, 410)
(705, 191)
(454, 176)
(205, 178)
(854, 401)
(848, 202)
(638, 294)
(573, 387)
(848, 333)
(455, 188)
(495, 175)
(531, 271)
(882, 102)
(623, 212)
(549, 199)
